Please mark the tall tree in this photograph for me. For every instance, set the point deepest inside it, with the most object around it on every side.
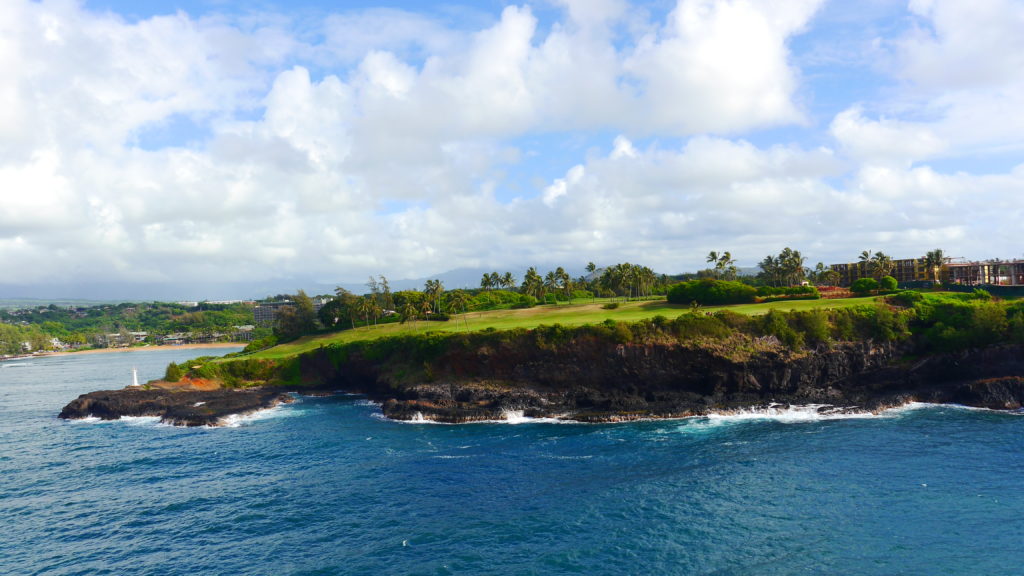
(934, 261)
(459, 301)
(508, 281)
(533, 284)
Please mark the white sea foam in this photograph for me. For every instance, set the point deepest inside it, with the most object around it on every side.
(140, 420)
(791, 414)
(238, 420)
(90, 419)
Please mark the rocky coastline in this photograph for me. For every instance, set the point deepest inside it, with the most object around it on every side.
(593, 381)
(177, 407)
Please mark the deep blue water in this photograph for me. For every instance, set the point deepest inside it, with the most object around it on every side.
(325, 486)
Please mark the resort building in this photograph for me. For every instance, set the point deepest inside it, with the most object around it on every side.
(986, 272)
(264, 312)
(955, 271)
(906, 270)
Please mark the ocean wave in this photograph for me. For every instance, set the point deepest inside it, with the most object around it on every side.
(140, 420)
(514, 417)
(791, 414)
(239, 420)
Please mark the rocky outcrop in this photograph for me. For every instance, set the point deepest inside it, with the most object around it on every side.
(588, 381)
(178, 407)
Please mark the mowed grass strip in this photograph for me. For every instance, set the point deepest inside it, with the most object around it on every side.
(575, 314)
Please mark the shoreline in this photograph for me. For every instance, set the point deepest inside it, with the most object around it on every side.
(213, 345)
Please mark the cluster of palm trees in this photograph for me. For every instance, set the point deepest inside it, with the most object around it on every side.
(786, 269)
(724, 265)
(628, 280)
(494, 280)
(554, 282)
(433, 290)
(877, 265)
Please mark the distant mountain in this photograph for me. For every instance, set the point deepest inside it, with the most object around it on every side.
(198, 289)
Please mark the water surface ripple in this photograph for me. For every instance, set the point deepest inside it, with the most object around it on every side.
(324, 487)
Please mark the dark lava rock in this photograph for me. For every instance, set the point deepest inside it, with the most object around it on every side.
(178, 407)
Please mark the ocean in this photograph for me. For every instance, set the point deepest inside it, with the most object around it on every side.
(327, 486)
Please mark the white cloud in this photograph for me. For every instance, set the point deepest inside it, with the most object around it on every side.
(885, 140)
(721, 66)
(385, 148)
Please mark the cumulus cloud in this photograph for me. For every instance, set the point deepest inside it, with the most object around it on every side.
(382, 142)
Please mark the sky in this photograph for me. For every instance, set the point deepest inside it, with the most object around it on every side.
(181, 143)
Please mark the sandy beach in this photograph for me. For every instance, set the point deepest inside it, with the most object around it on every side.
(132, 349)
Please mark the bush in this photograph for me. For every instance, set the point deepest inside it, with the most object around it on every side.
(438, 317)
(864, 286)
(610, 305)
(981, 294)
(582, 294)
(788, 291)
(173, 373)
(906, 298)
(261, 344)
(710, 292)
(887, 283)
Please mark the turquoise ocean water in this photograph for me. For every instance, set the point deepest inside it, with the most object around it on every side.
(326, 486)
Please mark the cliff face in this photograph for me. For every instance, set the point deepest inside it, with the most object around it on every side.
(486, 377)
(591, 380)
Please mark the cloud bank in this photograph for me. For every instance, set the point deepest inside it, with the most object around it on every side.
(387, 141)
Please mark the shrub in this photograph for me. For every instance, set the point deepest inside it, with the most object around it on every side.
(261, 344)
(610, 305)
(173, 373)
(864, 286)
(788, 291)
(710, 292)
(906, 298)
(582, 294)
(887, 283)
(981, 294)
(692, 326)
(439, 317)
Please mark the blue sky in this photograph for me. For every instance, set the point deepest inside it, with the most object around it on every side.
(326, 141)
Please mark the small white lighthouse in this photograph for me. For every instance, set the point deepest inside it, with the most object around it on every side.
(135, 376)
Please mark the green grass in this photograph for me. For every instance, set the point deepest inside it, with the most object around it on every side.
(565, 314)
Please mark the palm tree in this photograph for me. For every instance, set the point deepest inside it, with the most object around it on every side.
(769, 270)
(934, 261)
(375, 311)
(362, 307)
(408, 312)
(881, 265)
(485, 281)
(551, 282)
(458, 300)
(508, 281)
(564, 281)
(533, 284)
(495, 280)
(725, 265)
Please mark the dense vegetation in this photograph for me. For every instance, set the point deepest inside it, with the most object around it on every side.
(926, 323)
(708, 292)
(102, 325)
